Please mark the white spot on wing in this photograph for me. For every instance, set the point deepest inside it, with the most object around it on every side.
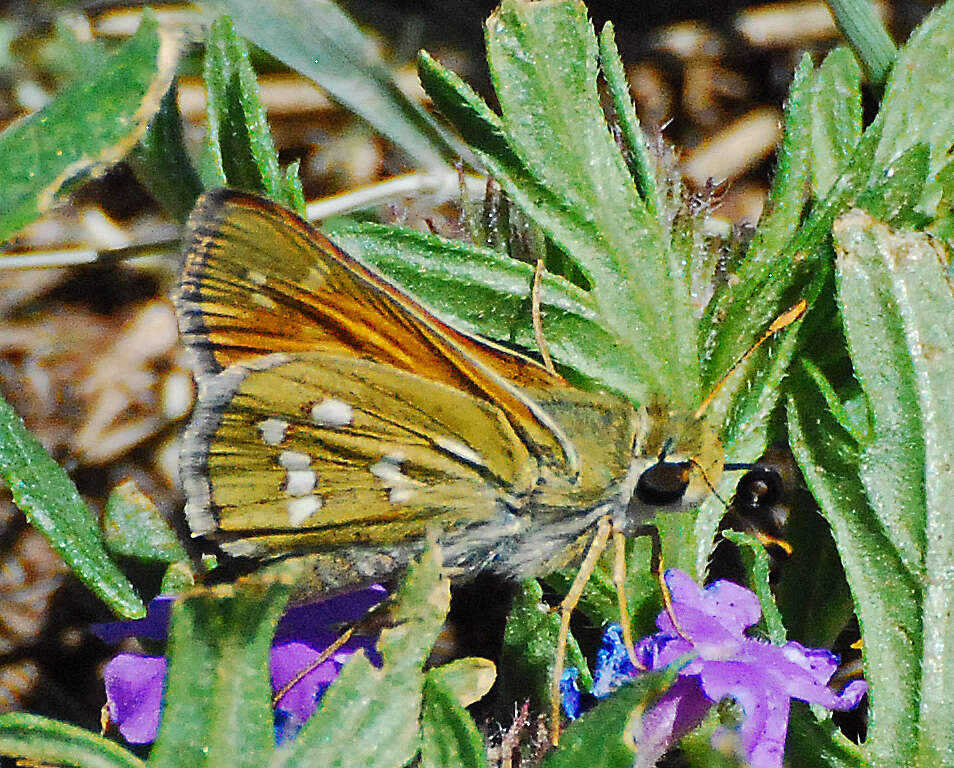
(273, 431)
(299, 510)
(459, 449)
(255, 277)
(299, 482)
(400, 487)
(332, 413)
(261, 300)
(294, 460)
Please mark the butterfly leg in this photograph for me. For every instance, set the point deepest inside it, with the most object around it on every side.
(604, 529)
(537, 317)
(619, 582)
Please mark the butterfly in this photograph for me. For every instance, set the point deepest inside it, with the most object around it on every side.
(339, 420)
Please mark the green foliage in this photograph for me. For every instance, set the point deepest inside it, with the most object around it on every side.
(134, 527)
(240, 151)
(87, 128)
(52, 504)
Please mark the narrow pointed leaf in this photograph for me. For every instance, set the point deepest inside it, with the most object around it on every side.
(369, 717)
(238, 140)
(835, 118)
(634, 141)
(39, 740)
(217, 706)
(88, 127)
(52, 504)
(319, 40)
(918, 105)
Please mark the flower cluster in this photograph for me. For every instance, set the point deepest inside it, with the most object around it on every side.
(134, 683)
(703, 634)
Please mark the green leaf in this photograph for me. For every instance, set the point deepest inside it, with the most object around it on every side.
(478, 290)
(639, 157)
(757, 566)
(88, 127)
(52, 504)
(893, 198)
(597, 739)
(897, 301)
(529, 649)
(835, 118)
(161, 162)
(217, 706)
(918, 106)
(134, 527)
(238, 139)
(449, 737)
(378, 708)
(38, 739)
(551, 101)
(570, 223)
(767, 285)
(319, 40)
(887, 598)
(859, 21)
(468, 679)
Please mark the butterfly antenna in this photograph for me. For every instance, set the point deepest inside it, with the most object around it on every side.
(779, 323)
(537, 317)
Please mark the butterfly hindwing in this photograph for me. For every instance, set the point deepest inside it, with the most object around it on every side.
(321, 451)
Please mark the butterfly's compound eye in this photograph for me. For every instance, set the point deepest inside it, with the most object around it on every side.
(665, 482)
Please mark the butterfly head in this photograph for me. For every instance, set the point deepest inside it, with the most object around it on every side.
(677, 462)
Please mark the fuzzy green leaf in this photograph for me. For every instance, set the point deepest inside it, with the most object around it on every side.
(835, 118)
(547, 102)
(88, 127)
(478, 290)
(449, 737)
(918, 106)
(634, 142)
(887, 598)
(238, 139)
(897, 301)
(379, 709)
(134, 527)
(37, 739)
(217, 706)
(52, 504)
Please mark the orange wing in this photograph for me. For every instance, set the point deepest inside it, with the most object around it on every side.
(258, 279)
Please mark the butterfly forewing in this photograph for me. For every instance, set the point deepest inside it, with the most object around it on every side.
(260, 280)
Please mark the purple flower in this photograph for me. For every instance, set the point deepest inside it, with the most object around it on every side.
(716, 659)
(134, 683)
